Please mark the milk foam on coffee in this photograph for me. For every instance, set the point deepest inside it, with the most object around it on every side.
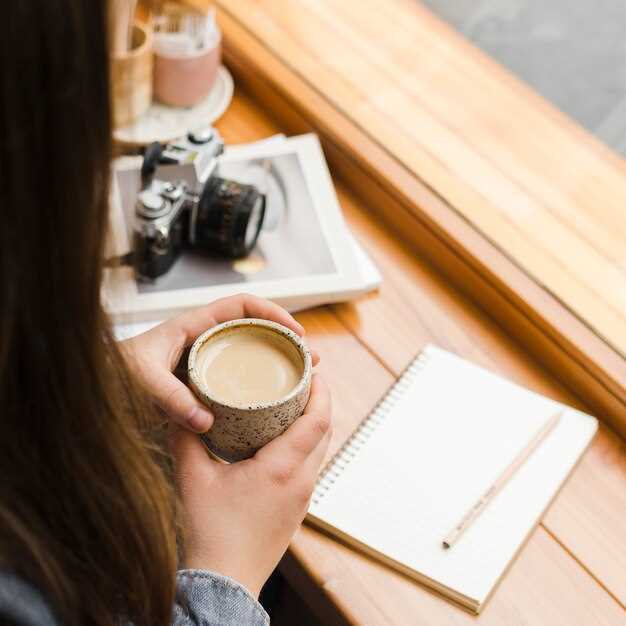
(248, 365)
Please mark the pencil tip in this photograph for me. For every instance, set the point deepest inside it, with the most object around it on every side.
(446, 545)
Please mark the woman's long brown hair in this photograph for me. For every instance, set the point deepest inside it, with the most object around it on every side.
(85, 512)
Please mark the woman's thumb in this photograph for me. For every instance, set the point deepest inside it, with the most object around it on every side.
(181, 405)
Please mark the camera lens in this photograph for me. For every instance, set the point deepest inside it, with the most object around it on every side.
(255, 222)
(230, 217)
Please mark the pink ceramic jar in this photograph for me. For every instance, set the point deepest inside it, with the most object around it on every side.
(185, 80)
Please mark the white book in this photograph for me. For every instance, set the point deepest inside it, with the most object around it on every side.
(305, 255)
(439, 438)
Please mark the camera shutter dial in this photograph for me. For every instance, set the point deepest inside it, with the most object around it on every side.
(151, 205)
(172, 192)
(200, 136)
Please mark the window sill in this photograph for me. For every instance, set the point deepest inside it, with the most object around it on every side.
(421, 210)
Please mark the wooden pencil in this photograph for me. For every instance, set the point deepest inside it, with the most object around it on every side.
(510, 470)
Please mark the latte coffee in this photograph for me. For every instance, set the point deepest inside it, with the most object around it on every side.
(254, 375)
(249, 364)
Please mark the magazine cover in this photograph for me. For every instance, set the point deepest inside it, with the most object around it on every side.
(304, 255)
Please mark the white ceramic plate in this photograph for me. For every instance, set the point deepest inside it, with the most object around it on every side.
(164, 123)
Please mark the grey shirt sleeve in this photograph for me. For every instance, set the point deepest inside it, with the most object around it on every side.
(21, 604)
(204, 598)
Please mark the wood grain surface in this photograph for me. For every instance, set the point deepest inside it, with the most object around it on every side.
(572, 569)
(526, 175)
(416, 213)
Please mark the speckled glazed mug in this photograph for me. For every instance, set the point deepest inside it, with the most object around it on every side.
(240, 429)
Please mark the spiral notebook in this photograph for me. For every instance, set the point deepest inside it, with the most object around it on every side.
(441, 436)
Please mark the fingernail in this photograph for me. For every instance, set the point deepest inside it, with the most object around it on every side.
(200, 420)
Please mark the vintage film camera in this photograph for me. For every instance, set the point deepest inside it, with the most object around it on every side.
(184, 203)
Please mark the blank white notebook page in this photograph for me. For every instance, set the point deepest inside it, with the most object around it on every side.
(429, 451)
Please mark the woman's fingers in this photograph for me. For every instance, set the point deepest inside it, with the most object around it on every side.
(191, 461)
(315, 357)
(301, 441)
(158, 351)
(178, 401)
(195, 322)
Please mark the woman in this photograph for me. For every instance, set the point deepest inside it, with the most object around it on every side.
(87, 531)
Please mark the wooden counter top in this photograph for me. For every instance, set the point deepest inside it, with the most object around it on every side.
(573, 569)
(520, 208)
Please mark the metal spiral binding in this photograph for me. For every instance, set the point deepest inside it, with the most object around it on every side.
(342, 458)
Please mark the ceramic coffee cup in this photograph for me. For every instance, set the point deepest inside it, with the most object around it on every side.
(242, 428)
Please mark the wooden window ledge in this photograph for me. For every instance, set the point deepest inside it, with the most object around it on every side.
(418, 206)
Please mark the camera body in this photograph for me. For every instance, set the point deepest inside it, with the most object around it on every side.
(192, 159)
(184, 204)
(161, 227)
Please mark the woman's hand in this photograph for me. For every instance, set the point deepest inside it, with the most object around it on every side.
(154, 355)
(238, 519)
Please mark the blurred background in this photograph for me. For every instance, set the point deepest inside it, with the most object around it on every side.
(572, 53)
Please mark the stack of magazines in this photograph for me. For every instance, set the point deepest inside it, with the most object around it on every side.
(305, 255)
